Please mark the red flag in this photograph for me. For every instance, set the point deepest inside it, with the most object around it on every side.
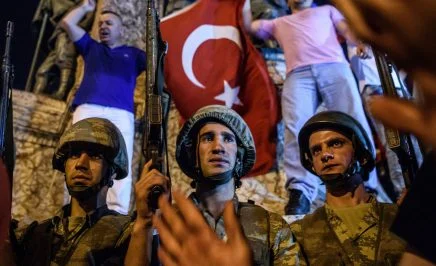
(211, 60)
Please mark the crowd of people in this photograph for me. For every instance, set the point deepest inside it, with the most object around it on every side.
(215, 148)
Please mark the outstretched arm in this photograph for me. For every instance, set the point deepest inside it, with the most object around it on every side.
(362, 50)
(70, 23)
(260, 28)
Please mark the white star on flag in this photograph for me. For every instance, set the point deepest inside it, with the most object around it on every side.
(229, 96)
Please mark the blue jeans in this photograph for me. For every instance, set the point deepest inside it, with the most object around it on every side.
(304, 89)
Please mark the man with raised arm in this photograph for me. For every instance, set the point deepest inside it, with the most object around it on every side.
(108, 83)
(317, 71)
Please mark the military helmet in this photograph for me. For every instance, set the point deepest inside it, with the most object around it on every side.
(344, 124)
(187, 138)
(94, 133)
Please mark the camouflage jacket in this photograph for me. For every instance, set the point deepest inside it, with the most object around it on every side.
(268, 234)
(96, 239)
(322, 238)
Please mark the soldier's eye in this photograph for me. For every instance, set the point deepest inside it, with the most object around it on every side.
(207, 138)
(229, 138)
(97, 157)
(74, 155)
(94, 155)
(315, 151)
(337, 143)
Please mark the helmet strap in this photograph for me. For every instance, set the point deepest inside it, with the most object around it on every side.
(215, 180)
(83, 193)
(340, 184)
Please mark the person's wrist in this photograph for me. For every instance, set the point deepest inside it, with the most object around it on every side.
(142, 224)
(85, 8)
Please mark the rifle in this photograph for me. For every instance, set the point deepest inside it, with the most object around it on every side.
(398, 142)
(154, 145)
(7, 155)
(6, 102)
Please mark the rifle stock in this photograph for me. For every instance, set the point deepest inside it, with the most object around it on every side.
(154, 144)
(397, 141)
(7, 152)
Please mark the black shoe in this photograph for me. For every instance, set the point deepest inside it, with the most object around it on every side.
(297, 204)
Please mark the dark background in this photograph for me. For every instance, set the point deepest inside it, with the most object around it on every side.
(24, 39)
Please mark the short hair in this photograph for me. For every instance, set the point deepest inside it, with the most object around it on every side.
(111, 12)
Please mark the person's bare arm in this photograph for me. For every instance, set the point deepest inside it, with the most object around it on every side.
(253, 27)
(361, 48)
(139, 251)
(70, 23)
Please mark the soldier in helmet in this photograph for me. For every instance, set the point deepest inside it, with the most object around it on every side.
(352, 228)
(85, 232)
(215, 148)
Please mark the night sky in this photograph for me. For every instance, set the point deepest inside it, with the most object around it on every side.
(24, 40)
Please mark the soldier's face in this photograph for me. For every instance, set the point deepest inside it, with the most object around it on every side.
(217, 149)
(85, 168)
(331, 152)
(109, 28)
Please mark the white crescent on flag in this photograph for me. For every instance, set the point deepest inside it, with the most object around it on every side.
(198, 37)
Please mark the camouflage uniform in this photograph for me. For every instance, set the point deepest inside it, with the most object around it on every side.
(100, 237)
(322, 238)
(96, 239)
(268, 234)
(271, 243)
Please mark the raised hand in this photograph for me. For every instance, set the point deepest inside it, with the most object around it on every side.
(186, 239)
(88, 5)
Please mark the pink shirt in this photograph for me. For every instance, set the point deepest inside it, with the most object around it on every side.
(307, 37)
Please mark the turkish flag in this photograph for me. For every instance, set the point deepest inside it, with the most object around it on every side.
(211, 60)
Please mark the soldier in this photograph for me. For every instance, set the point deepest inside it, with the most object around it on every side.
(317, 72)
(409, 39)
(85, 232)
(352, 228)
(215, 148)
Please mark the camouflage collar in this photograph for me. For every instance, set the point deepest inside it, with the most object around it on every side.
(193, 196)
(216, 225)
(370, 219)
(87, 221)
